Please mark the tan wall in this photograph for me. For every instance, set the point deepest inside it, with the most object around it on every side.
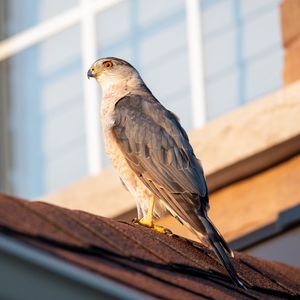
(290, 22)
(292, 62)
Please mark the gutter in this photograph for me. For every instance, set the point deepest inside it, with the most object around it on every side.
(28, 273)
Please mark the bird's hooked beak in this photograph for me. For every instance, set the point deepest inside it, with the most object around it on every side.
(90, 73)
(93, 72)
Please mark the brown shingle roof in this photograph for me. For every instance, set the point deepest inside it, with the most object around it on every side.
(161, 266)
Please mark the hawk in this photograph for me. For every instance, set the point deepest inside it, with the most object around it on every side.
(152, 154)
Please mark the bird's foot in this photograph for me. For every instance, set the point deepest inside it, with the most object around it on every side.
(150, 224)
(162, 229)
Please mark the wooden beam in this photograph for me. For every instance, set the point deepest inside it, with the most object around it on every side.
(253, 164)
(239, 144)
(103, 195)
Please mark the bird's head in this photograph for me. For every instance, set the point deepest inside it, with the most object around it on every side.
(111, 71)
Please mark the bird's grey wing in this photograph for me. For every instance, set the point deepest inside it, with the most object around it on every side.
(158, 150)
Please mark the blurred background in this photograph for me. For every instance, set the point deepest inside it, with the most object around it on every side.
(201, 59)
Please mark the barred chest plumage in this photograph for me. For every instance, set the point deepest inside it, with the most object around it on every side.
(111, 147)
(134, 185)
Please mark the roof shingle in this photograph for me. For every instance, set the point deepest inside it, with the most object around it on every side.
(158, 265)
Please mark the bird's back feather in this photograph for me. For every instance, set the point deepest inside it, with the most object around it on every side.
(157, 149)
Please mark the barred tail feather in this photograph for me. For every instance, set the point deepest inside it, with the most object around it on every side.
(220, 237)
(221, 249)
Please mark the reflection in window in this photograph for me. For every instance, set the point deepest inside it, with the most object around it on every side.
(17, 15)
(45, 114)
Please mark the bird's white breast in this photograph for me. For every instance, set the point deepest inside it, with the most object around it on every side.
(111, 147)
(132, 182)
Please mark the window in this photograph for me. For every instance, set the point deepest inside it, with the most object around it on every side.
(242, 52)
(49, 111)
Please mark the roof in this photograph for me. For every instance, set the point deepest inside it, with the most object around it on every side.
(138, 258)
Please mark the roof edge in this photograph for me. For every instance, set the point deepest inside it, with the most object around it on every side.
(287, 219)
(64, 280)
(254, 164)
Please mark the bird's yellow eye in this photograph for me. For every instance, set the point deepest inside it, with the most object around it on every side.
(107, 64)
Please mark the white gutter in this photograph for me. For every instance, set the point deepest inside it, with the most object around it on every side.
(28, 273)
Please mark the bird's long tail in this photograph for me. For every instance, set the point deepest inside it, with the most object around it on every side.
(221, 249)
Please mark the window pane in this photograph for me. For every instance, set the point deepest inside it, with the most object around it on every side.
(16, 15)
(45, 115)
(242, 52)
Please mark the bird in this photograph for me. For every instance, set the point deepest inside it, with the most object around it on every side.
(153, 156)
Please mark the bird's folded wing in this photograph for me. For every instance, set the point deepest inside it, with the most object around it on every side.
(157, 149)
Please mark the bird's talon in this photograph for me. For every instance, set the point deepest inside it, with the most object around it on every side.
(135, 221)
(150, 225)
(163, 230)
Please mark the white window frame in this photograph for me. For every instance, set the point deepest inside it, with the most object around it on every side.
(84, 14)
(196, 64)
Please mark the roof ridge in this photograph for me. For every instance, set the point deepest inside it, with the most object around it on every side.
(48, 220)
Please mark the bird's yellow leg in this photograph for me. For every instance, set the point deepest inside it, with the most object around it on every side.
(148, 221)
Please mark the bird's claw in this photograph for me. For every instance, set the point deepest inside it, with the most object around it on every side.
(157, 228)
(135, 221)
(163, 230)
